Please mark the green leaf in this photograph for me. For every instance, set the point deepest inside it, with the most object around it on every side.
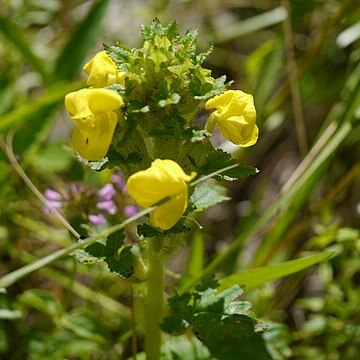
(147, 231)
(258, 276)
(52, 159)
(42, 301)
(75, 51)
(107, 248)
(174, 325)
(220, 159)
(33, 108)
(123, 264)
(85, 324)
(15, 35)
(230, 337)
(184, 347)
(115, 241)
(221, 322)
(207, 195)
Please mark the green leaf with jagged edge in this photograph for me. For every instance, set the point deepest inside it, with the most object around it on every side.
(172, 68)
(122, 264)
(147, 231)
(217, 88)
(219, 159)
(207, 195)
(108, 247)
(222, 322)
(108, 250)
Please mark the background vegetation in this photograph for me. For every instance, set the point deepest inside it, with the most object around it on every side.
(304, 73)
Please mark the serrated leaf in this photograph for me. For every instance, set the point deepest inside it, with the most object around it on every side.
(155, 28)
(96, 250)
(147, 231)
(174, 325)
(217, 88)
(122, 264)
(115, 241)
(207, 195)
(220, 159)
(108, 247)
(172, 30)
(258, 276)
(221, 322)
(230, 337)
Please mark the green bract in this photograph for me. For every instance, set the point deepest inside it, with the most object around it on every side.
(165, 85)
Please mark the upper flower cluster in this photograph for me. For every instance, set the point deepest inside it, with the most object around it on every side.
(139, 108)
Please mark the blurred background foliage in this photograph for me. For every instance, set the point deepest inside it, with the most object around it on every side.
(303, 70)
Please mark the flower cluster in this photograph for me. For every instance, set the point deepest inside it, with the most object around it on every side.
(95, 205)
(139, 111)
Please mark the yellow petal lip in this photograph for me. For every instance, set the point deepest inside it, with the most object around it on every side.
(102, 71)
(164, 179)
(235, 116)
(93, 112)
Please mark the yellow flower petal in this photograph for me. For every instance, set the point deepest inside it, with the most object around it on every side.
(92, 142)
(102, 71)
(235, 117)
(92, 110)
(165, 178)
(168, 214)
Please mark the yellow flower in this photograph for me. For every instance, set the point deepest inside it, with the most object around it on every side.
(102, 71)
(235, 117)
(92, 111)
(165, 178)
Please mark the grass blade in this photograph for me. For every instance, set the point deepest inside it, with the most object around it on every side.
(326, 146)
(258, 276)
(30, 110)
(75, 51)
(15, 36)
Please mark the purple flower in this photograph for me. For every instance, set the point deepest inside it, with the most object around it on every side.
(106, 193)
(52, 195)
(53, 201)
(119, 181)
(108, 206)
(97, 220)
(130, 210)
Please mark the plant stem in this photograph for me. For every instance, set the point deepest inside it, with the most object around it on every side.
(155, 289)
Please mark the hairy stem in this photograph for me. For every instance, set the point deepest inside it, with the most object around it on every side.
(154, 304)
